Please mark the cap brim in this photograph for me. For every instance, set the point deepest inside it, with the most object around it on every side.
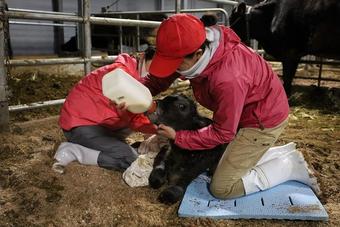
(164, 66)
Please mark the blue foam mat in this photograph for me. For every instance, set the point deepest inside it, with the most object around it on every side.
(291, 200)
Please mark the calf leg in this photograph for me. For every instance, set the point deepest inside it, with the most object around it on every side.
(158, 175)
(179, 182)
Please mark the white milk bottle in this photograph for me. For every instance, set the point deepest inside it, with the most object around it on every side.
(120, 87)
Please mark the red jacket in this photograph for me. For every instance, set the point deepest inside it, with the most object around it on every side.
(239, 87)
(86, 104)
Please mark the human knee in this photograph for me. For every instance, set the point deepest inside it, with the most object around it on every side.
(228, 191)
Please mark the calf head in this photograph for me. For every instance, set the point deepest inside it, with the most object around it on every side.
(178, 112)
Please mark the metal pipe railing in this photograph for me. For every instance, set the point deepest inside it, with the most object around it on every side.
(41, 24)
(40, 11)
(225, 2)
(138, 34)
(60, 61)
(123, 22)
(35, 105)
(87, 35)
(223, 11)
(42, 16)
(93, 20)
(178, 6)
(120, 37)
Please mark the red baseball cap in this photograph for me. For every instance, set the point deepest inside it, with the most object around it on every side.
(177, 36)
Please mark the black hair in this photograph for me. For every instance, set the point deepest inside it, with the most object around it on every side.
(203, 46)
(149, 53)
(207, 20)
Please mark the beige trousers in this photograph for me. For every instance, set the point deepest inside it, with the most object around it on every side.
(241, 155)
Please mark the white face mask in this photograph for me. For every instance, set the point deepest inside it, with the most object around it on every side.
(213, 36)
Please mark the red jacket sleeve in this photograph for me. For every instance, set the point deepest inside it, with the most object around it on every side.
(230, 98)
(158, 85)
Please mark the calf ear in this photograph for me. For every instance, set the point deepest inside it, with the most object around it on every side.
(241, 8)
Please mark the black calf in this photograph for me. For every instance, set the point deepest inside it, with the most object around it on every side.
(174, 165)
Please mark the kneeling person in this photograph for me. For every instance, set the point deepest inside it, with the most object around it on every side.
(95, 126)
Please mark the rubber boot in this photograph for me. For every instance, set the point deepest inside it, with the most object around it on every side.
(68, 152)
(277, 151)
(290, 166)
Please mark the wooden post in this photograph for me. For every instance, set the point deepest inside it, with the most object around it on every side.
(4, 113)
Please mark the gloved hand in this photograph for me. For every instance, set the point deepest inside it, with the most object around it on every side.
(152, 144)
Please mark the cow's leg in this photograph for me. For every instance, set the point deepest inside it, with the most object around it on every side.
(289, 70)
(179, 183)
(158, 175)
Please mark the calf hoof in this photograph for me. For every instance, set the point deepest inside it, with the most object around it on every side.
(157, 178)
(171, 195)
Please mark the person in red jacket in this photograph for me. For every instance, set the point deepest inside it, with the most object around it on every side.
(93, 126)
(250, 107)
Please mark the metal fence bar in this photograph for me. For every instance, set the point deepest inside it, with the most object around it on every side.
(120, 37)
(317, 78)
(35, 105)
(335, 63)
(87, 35)
(123, 22)
(60, 61)
(42, 16)
(4, 113)
(41, 24)
(178, 6)
(223, 11)
(138, 35)
(225, 2)
(40, 11)
(320, 73)
(93, 20)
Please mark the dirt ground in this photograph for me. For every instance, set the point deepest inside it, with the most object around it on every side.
(31, 194)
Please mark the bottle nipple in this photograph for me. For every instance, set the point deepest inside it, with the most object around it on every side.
(152, 108)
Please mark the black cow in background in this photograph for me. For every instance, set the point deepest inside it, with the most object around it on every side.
(290, 29)
(174, 165)
(106, 37)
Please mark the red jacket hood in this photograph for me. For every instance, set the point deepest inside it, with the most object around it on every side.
(129, 64)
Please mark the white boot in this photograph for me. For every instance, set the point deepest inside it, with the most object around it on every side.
(277, 151)
(68, 152)
(289, 166)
